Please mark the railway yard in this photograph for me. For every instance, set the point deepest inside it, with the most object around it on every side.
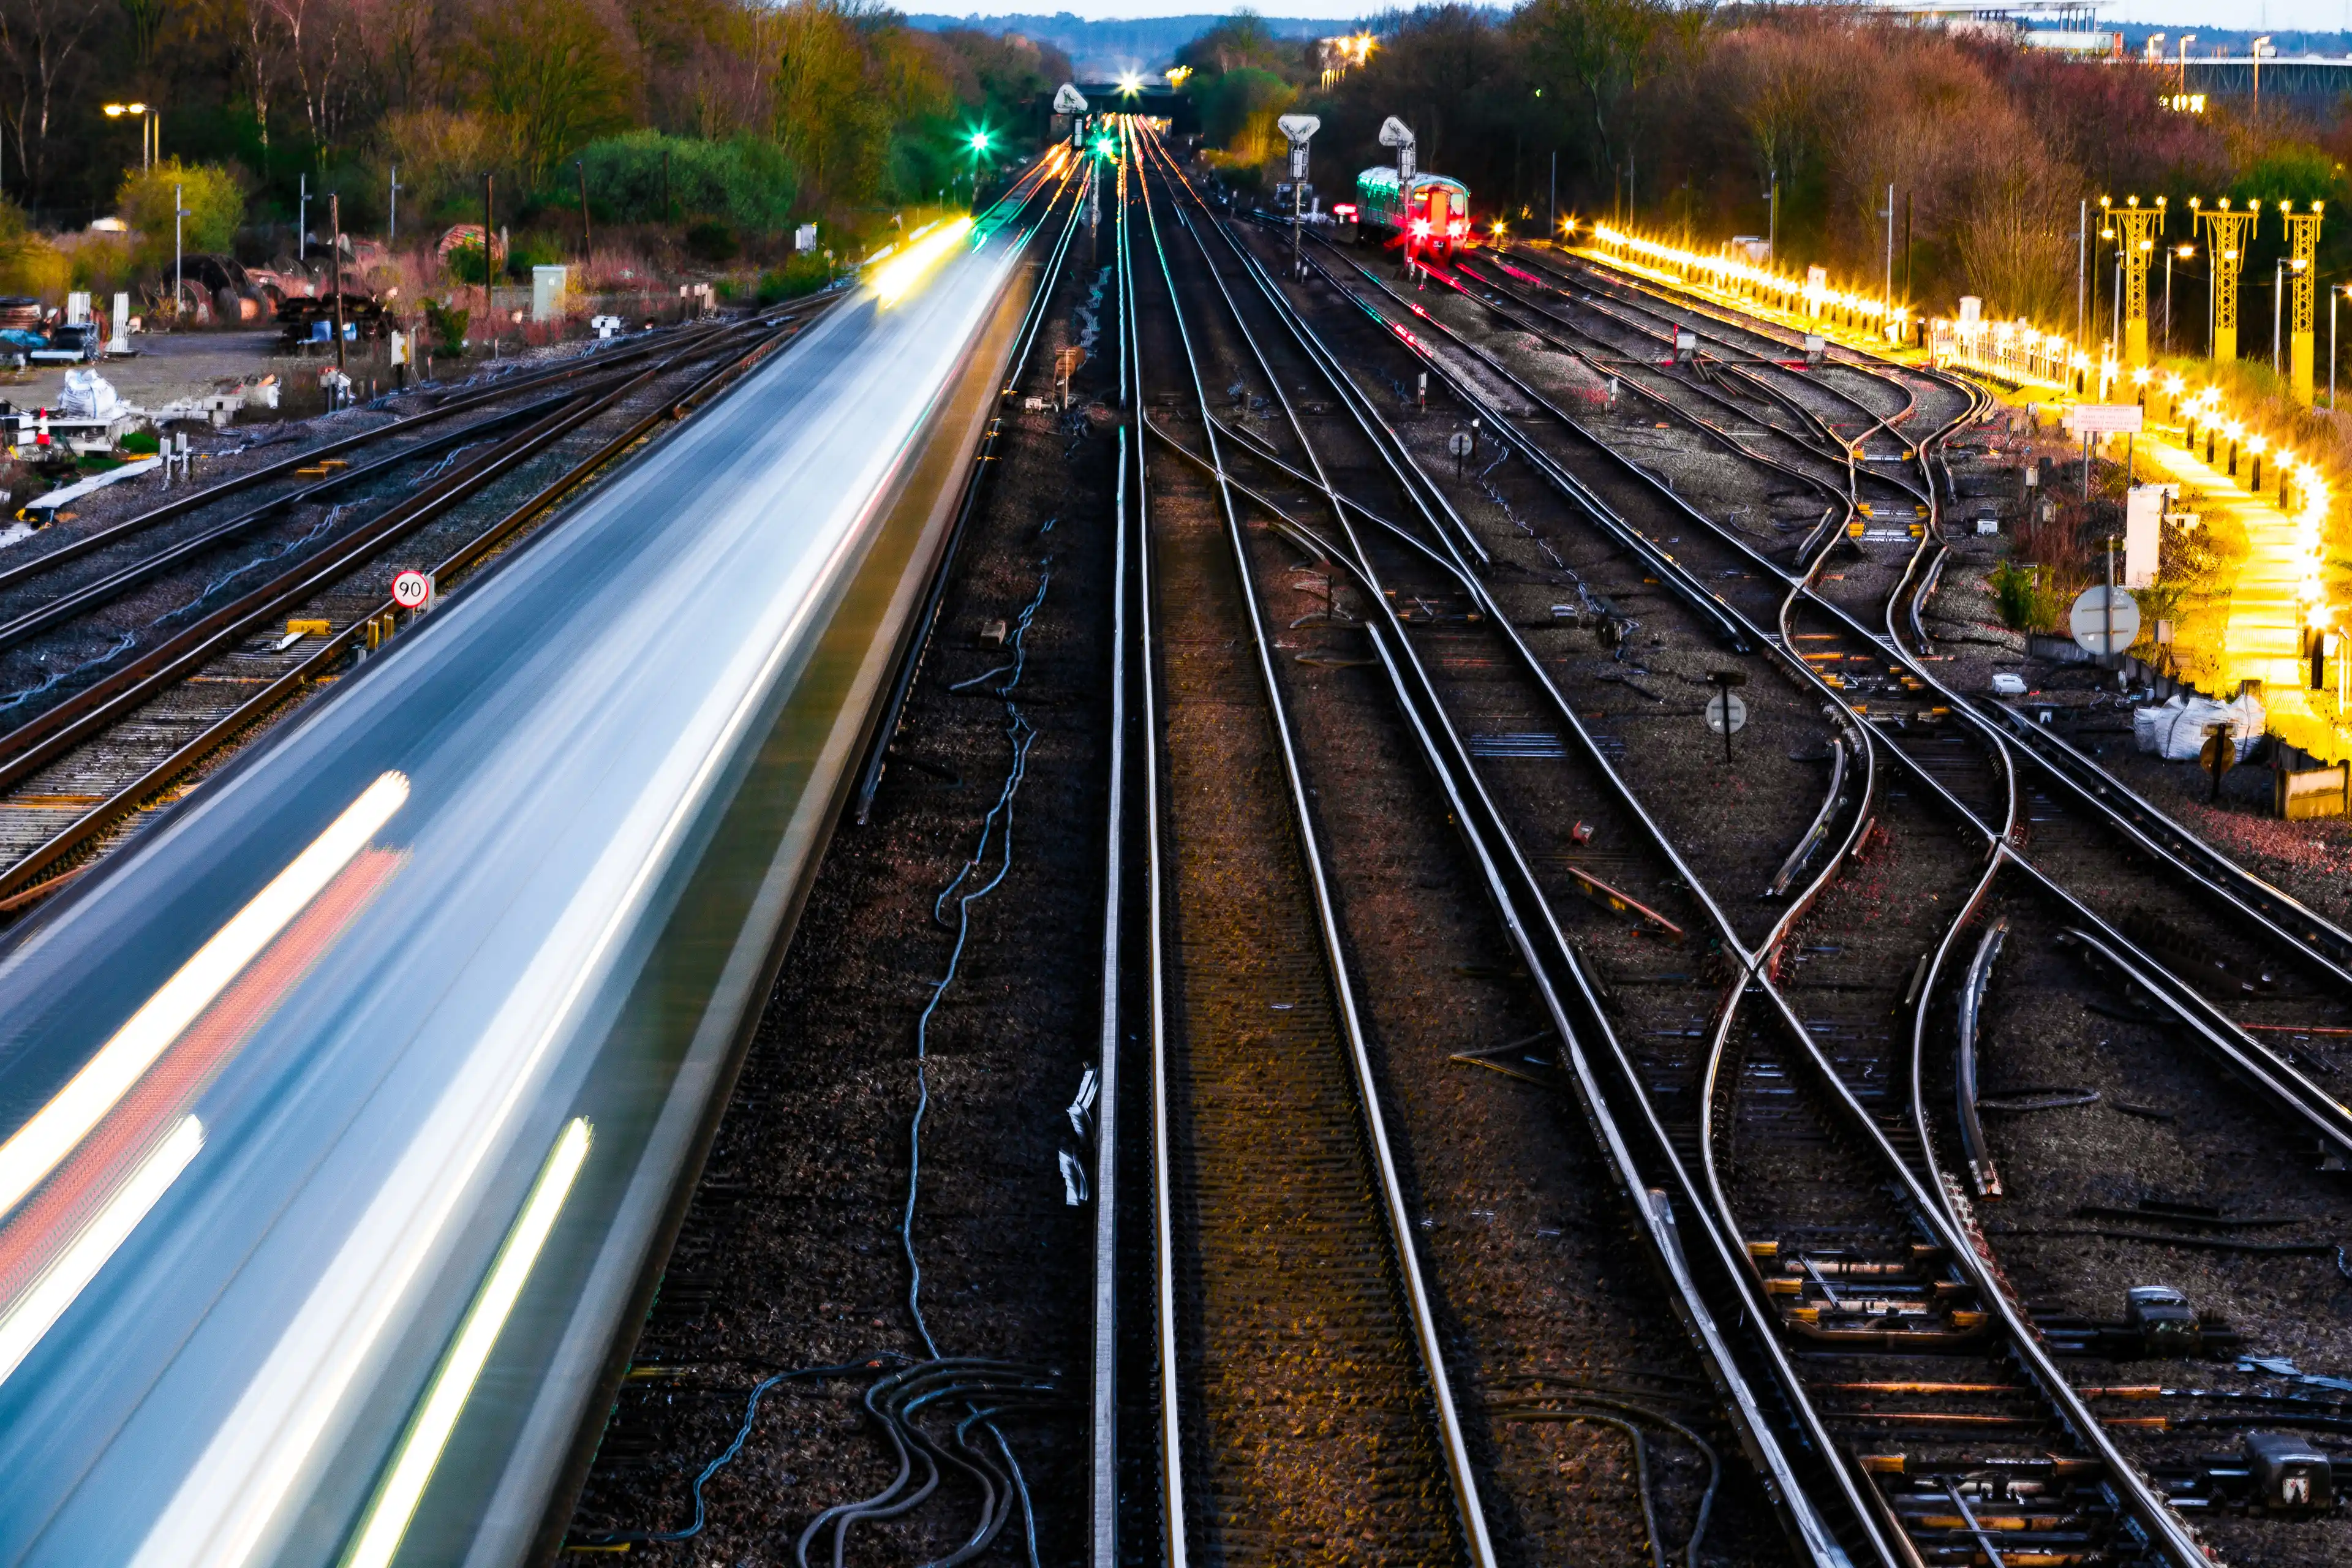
(1273, 1021)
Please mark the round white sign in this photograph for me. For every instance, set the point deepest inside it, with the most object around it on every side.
(2092, 617)
(1726, 713)
(412, 589)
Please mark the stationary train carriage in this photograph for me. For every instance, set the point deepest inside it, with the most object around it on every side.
(1428, 214)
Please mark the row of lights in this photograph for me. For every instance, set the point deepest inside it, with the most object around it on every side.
(1882, 318)
(2017, 351)
(2303, 488)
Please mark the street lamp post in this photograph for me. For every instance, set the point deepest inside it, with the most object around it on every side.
(2184, 252)
(151, 129)
(392, 228)
(178, 213)
(2333, 294)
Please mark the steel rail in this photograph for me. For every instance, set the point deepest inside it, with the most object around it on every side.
(1838, 453)
(1745, 371)
(1551, 961)
(23, 876)
(2267, 1070)
(594, 362)
(1470, 1515)
(2146, 1507)
(1175, 1544)
(2153, 1516)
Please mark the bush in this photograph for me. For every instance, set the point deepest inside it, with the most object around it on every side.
(2026, 604)
(145, 443)
(711, 242)
(447, 326)
(465, 265)
(804, 274)
(529, 250)
(746, 181)
(210, 193)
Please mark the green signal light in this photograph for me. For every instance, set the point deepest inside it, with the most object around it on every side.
(1103, 148)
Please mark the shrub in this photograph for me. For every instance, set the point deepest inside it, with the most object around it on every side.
(465, 265)
(210, 193)
(446, 325)
(2025, 602)
(803, 274)
(711, 242)
(746, 181)
(145, 443)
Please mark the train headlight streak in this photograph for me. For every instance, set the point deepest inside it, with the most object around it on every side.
(54, 1292)
(403, 1485)
(904, 270)
(58, 1127)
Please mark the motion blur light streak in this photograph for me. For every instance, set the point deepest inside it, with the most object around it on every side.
(29, 1319)
(453, 1385)
(902, 273)
(44, 1225)
(57, 1127)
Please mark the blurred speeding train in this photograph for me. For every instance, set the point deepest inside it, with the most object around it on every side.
(1427, 214)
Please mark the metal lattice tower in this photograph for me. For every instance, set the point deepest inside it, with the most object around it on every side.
(2303, 251)
(2226, 235)
(2135, 230)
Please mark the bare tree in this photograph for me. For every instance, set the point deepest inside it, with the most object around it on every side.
(42, 50)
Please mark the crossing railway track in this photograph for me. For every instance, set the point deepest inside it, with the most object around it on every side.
(2075, 857)
(2117, 1506)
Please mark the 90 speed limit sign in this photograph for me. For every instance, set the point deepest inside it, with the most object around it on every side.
(412, 590)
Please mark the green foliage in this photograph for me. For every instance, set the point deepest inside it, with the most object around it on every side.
(712, 242)
(144, 443)
(2025, 603)
(553, 75)
(804, 274)
(744, 181)
(465, 265)
(213, 200)
(529, 250)
(1238, 109)
(446, 325)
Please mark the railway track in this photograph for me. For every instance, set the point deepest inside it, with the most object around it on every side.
(1305, 1398)
(1974, 782)
(2030, 1376)
(189, 612)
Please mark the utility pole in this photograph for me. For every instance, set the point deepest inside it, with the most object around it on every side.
(1772, 230)
(301, 222)
(489, 254)
(179, 211)
(2083, 273)
(1890, 242)
(391, 229)
(2278, 300)
(1907, 246)
(2333, 294)
(335, 260)
(587, 240)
